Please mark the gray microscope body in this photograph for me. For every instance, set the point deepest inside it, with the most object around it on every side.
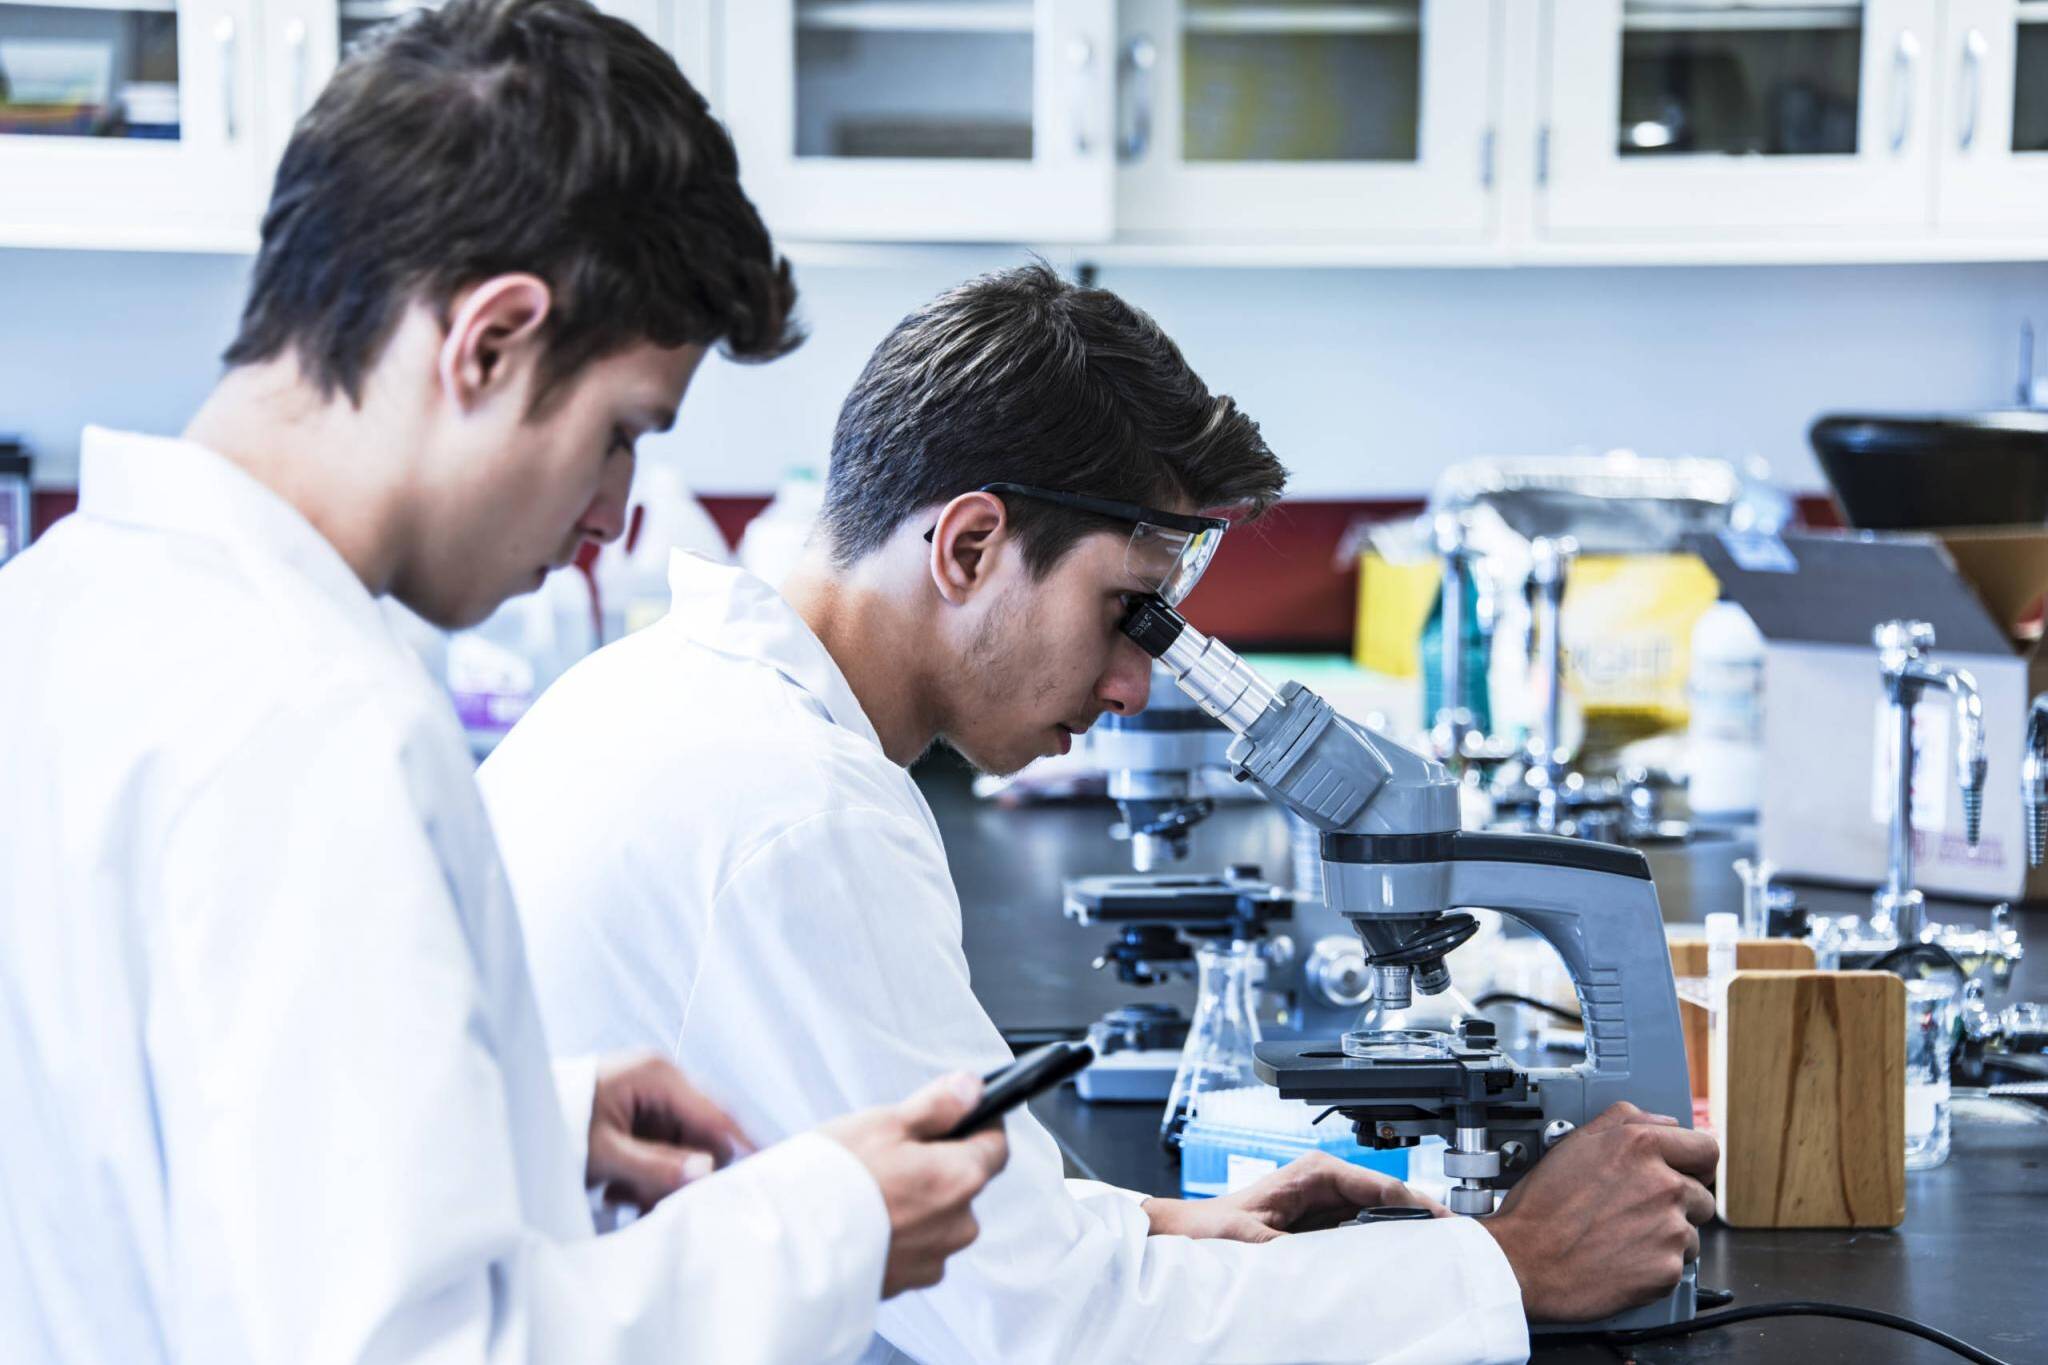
(1397, 866)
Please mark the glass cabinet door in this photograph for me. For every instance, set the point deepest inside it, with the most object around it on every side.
(923, 119)
(1738, 81)
(129, 122)
(1994, 150)
(1325, 120)
(70, 70)
(1732, 114)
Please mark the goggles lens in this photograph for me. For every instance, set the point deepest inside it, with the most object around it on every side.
(1170, 562)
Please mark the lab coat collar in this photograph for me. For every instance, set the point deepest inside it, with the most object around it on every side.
(167, 484)
(729, 611)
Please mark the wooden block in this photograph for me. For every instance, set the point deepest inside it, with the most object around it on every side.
(1808, 1081)
(1689, 958)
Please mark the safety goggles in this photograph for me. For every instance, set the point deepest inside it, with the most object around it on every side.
(1167, 551)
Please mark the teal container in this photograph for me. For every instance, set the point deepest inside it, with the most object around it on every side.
(1477, 647)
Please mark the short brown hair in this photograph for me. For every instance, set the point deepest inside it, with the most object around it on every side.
(492, 136)
(1020, 376)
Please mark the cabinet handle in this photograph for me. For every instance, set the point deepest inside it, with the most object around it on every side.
(1134, 82)
(1971, 86)
(1080, 57)
(1905, 62)
(295, 43)
(224, 40)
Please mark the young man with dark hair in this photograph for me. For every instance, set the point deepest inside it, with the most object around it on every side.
(717, 850)
(275, 1082)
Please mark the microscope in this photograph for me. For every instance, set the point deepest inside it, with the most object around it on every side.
(1399, 868)
(1155, 764)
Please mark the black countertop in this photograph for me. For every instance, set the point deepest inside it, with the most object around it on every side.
(1971, 1258)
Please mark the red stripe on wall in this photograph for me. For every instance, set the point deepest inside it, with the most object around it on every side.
(1276, 584)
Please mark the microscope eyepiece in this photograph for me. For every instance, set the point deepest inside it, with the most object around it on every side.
(1153, 624)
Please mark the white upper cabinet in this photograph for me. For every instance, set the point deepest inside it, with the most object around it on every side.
(1994, 158)
(1732, 118)
(924, 120)
(1256, 120)
(130, 124)
(157, 124)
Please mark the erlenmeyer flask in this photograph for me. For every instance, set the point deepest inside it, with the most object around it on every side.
(1217, 1058)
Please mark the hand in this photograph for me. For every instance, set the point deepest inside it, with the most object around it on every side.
(1310, 1192)
(1608, 1219)
(651, 1133)
(926, 1183)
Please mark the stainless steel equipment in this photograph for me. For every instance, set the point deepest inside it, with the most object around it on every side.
(1397, 866)
(1897, 909)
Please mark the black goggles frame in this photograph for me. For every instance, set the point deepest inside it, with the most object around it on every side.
(1137, 514)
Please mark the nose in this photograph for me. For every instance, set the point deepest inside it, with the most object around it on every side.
(604, 520)
(1127, 684)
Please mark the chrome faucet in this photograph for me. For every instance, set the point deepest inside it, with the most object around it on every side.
(2034, 781)
(1902, 654)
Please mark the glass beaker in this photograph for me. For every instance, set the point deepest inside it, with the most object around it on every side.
(1756, 877)
(1216, 1062)
(1930, 1038)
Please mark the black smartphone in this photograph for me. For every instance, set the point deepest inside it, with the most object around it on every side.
(1036, 1072)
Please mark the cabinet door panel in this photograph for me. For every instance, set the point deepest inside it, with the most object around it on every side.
(945, 120)
(132, 124)
(1994, 146)
(1289, 122)
(1735, 116)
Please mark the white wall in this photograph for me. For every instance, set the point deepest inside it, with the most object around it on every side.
(1366, 382)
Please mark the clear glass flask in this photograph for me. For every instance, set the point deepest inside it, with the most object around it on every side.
(1217, 1059)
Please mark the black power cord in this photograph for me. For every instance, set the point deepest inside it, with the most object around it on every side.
(1801, 1308)
(1510, 998)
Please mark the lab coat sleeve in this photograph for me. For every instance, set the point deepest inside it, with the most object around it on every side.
(337, 1108)
(841, 940)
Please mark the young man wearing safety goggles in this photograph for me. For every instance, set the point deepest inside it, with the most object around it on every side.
(717, 849)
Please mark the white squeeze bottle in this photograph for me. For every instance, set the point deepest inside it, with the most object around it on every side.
(662, 515)
(1725, 735)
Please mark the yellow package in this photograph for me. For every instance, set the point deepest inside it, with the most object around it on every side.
(1628, 623)
(1394, 603)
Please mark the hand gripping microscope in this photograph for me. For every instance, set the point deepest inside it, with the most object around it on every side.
(1397, 866)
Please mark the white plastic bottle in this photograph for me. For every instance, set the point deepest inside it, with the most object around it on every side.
(1725, 738)
(497, 669)
(662, 515)
(774, 540)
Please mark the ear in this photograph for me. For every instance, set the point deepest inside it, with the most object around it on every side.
(966, 543)
(493, 334)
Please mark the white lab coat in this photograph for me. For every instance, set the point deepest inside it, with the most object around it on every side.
(272, 1082)
(712, 853)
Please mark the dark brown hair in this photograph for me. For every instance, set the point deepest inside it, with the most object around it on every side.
(1021, 377)
(492, 136)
